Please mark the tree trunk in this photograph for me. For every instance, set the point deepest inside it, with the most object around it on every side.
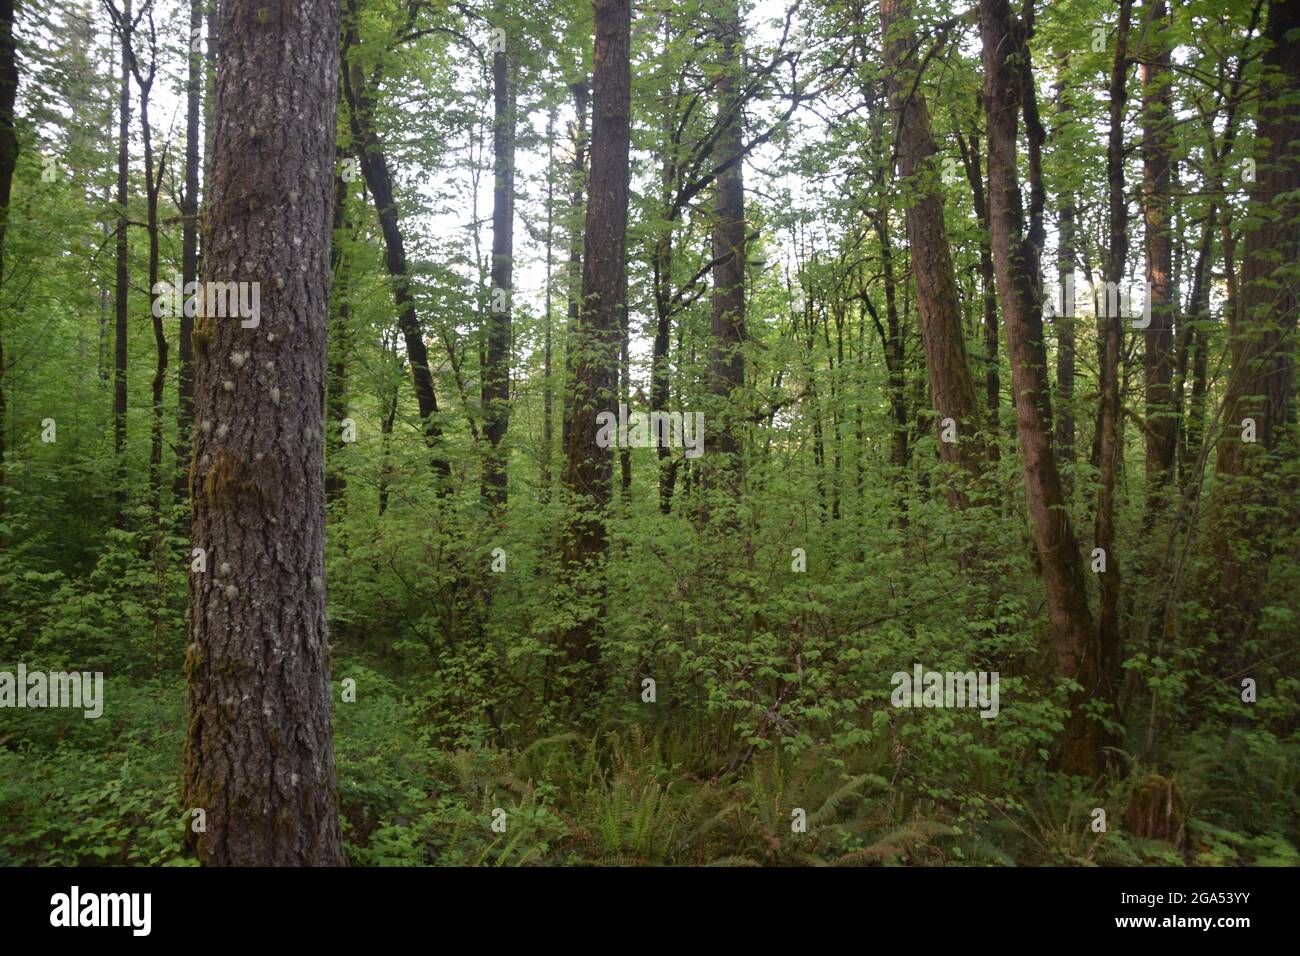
(1158, 357)
(496, 370)
(726, 352)
(1111, 439)
(951, 382)
(122, 281)
(1014, 263)
(548, 410)
(581, 96)
(189, 252)
(8, 163)
(374, 168)
(588, 470)
(1262, 332)
(340, 345)
(260, 756)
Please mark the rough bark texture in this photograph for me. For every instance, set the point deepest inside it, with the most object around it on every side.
(496, 371)
(8, 162)
(1076, 642)
(259, 756)
(588, 468)
(1263, 331)
(951, 383)
(726, 353)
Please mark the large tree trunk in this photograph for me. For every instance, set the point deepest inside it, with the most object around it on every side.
(588, 469)
(260, 755)
(496, 370)
(726, 352)
(1263, 327)
(8, 162)
(951, 383)
(1015, 268)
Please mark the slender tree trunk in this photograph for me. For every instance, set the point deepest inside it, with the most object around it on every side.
(496, 371)
(581, 96)
(1111, 441)
(122, 281)
(1157, 108)
(339, 346)
(189, 250)
(548, 391)
(259, 756)
(374, 168)
(1015, 266)
(588, 471)
(951, 382)
(1066, 261)
(989, 298)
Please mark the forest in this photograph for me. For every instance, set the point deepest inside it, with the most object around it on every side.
(681, 433)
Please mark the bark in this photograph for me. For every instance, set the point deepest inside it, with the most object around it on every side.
(992, 384)
(548, 410)
(496, 371)
(121, 287)
(189, 254)
(1262, 332)
(726, 353)
(1014, 268)
(336, 383)
(8, 163)
(374, 169)
(259, 754)
(1158, 357)
(939, 306)
(581, 97)
(588, 469)
(1111, 439)
(1066, 260)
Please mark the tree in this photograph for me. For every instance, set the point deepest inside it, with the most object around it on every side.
(496, 370)
(259, 754)
(189, 245)
(1259, 405)
(726, 355)
(8, 162)
(1015, 261)
(951, 383)
(588, 465)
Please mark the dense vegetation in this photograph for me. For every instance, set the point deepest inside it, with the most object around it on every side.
(839, 218)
